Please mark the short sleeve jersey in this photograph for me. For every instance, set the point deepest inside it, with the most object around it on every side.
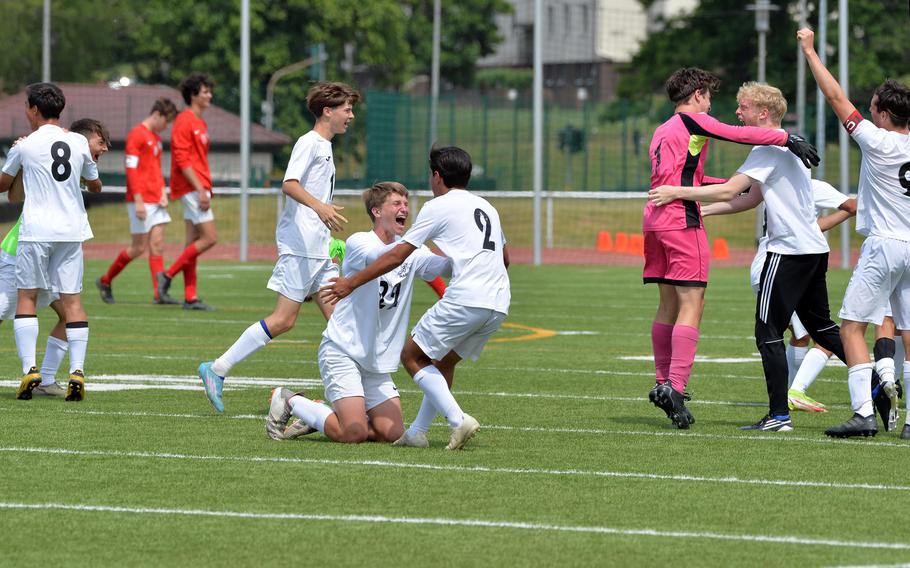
(883, 200)
(370, 325)
(52, 161)
(143, 165)
(189, 148)
(300, 231)
(786, 188)
(466, 227)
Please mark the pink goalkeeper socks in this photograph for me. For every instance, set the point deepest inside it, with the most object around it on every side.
(684, 343)
(661, 336)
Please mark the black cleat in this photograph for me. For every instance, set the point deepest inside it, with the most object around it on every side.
(164, 284)
(856, 426)
(905, 433)
(771, 424)
(166, 301)
(673, 404)
(199, 305)
(107, 295)
(660, 397)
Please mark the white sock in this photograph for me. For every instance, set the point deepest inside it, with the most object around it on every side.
(53, 356)
(425, 417)
(434, 387)
(250, 341)
(907, 394)
(813, 364)
(26, 332)
(795, 356)
(860, 382)
(899, 355)
(885, 369)
(78, 340)
(312, 413)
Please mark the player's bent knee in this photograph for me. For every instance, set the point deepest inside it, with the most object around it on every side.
(355, 434)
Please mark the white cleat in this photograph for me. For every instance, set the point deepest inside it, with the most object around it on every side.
(296, 429)
(461, 434)
(418, 440)
(891, 392)
(279, 413)
(52, 389)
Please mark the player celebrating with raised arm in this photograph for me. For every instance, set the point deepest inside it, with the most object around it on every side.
(54, 225)
(676, 246)
(191, 183)
(146, 199)
(467, 229)
(793, 277)
(362, 343)
(883, 217)
(303, 232)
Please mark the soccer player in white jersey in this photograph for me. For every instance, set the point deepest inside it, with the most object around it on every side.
(467, 229)
(54, 225)
(303, 232)
(793, 277)
(883, 217)
(362, 343)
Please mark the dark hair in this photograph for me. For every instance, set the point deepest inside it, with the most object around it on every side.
(47, 97)
(687, 80)
(192, 84)
(377, 194)
(453, 164)
(330, 95)
(894, 98)
(165, 107)
(89, 126)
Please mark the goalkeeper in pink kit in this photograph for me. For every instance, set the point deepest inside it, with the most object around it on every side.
(676, 246)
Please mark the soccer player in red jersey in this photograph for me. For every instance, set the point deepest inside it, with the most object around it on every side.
(145, 197)
(191, 182)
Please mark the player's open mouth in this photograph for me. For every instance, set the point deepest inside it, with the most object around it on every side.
(401, 219)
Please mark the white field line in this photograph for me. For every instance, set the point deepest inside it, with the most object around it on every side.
(462, 469)
(833, 362)
(449, 522)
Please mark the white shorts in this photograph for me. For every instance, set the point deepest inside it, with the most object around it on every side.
(881, 276)
(56, 267)
(296, 277)
(451, 327)
(154, 215)
(344, 378)
(9, 295)
(192, 212)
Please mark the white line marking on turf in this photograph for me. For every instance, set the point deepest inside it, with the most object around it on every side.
(461, 469)
(833, 362)
(804, 541)
(577, 333)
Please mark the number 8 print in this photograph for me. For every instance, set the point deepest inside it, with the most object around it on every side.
(60, 152)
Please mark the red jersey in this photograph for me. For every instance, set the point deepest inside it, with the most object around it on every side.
(189, 148)
(143, 165)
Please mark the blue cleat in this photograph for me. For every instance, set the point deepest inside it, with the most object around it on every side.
(213, 384)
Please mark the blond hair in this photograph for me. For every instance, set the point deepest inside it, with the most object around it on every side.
(377, 194)
(763, 95)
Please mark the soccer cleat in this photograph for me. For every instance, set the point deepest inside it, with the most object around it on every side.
(798, 400)
(53, 389)
(890, 390)
(107, 295)
(197, 304)
(418, 440)
(460, 435)
(771, 424)
(673, 404)
(884, 398)
(659, 397)
(905, 433)
(213, 384)
(29, 381)
(166, 301)
(75, 390)
(296, 429)
(164, 284)
(279, 413)
(856, 426)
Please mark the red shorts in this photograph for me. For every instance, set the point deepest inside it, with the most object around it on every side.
(678, 257)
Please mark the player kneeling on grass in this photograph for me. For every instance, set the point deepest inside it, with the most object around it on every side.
(364, 337)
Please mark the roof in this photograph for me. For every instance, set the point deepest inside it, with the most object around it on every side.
(122, 108)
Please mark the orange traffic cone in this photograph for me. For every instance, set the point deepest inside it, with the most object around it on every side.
(604, 242)
(720, 251)
(622, 242)
(637, 245)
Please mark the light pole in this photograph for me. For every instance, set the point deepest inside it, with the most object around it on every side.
(46, 43)
(268, 107)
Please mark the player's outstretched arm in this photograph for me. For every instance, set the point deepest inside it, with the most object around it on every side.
(847, 210)
(742, 202)
(327, 212)
(342, 287)
(665, 194)
(829, 86)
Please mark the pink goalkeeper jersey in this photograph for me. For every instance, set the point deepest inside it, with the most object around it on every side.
(678, 151)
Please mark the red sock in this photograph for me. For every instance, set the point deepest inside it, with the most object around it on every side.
(156, 265)
(684, 343)
(661, 341)
(118, 265)
(189, 280)
(438, 286)
(188, 254)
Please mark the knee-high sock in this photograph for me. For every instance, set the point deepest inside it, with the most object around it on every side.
(188, 254)
(250, 341)
(25, 328)
(77, 337)
(156, 265)
(189, 280)
(425, 417)
(311, 412)
(795, 356)
(859, 379)
(899, 356)
(662, 344)
(116, 267)
(684, 343)
(813, 364)
(884, 351)
(434, 386)
(53, 356)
